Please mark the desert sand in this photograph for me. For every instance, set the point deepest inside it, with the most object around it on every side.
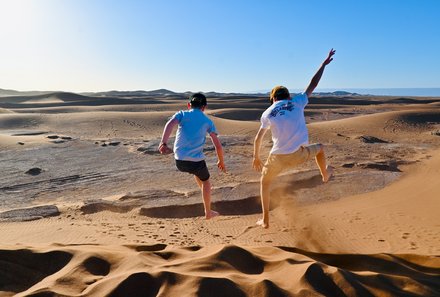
(88, 207)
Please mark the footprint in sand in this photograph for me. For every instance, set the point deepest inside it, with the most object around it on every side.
(245, 230)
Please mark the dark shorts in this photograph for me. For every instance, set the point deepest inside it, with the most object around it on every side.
(197, 168)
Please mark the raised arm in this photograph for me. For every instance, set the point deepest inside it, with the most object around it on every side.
(219, 151)
(317, 77)
(169, 126)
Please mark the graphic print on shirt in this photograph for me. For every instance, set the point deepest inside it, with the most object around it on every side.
(281, 110)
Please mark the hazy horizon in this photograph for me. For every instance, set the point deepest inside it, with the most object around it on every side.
(422, 92)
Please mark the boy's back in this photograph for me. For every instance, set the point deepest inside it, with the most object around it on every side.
(191, 134)
(286, 120)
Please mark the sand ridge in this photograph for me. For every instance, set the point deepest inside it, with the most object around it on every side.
(152, 270)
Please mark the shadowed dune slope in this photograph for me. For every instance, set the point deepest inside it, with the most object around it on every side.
(219, 270)
(55, 97)
(237, 114)
(395, 126)
(4, 110)
(386, 120)
(70, 99)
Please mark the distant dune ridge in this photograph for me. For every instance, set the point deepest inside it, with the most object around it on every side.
(89, 208)
(152, 93)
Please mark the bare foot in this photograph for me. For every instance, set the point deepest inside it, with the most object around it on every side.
(211, 214)
(261, 223)
(328, 175)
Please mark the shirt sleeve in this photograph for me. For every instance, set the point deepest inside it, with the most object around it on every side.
(301, 99)
(265, 123)
(212, 128)
(178, 116)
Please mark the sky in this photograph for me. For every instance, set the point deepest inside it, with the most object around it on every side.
(217, 45)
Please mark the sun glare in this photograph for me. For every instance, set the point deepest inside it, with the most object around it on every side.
(16, 18)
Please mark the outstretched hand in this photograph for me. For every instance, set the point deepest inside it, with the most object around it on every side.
(317, 77)
(329, 58)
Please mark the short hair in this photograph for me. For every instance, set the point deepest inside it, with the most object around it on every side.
(197, 100)
(280, 93)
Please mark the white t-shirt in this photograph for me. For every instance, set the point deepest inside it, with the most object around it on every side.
(286, 120)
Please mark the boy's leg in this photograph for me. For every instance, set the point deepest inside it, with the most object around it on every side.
(199, 182)
(205, 187)
(201, 176)
(265, 183)
(326, 171)
(276, 163)
(270, 171)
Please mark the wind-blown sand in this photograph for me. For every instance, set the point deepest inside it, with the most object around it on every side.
(89, 208)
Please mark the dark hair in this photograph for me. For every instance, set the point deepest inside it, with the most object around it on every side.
(197, 100)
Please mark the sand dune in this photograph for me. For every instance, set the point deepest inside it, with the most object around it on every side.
(225, 270)
(71, 99)
(237, 114)
(407, 119)
(4, 110)
(56, 97)
(89, 208)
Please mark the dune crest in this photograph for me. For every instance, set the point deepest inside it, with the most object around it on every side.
(137, 270)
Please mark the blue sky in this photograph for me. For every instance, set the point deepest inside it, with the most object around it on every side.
(210, 45)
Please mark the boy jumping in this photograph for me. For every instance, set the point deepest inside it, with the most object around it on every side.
(193, 125)
(285, 118)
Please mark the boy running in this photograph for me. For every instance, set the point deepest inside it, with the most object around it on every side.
(285, 118)
(193, 125)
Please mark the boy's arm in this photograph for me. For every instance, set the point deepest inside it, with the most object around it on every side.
(317, 77)
(219, 151)
(169, 126)
(257, 164)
